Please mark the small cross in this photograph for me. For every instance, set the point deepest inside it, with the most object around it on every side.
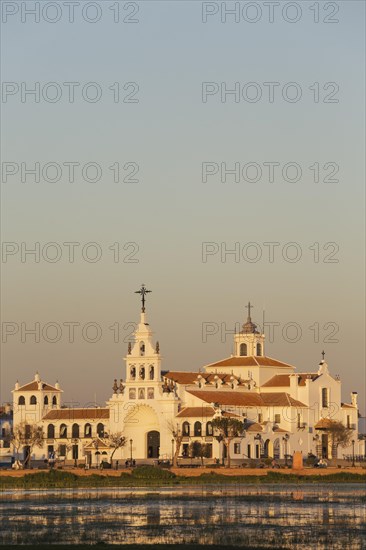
(249, 306)
(143, 291)
(323, 354)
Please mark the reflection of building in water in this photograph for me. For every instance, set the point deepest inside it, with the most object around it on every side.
(282, 410)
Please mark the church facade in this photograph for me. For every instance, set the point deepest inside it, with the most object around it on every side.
(282, 410)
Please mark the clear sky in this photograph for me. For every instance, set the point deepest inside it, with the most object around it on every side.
(161, 110)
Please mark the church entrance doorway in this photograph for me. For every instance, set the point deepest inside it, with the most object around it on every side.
(153, 444)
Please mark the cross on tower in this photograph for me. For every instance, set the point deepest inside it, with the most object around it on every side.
(143, 291)
(249, 306)
(323, 354)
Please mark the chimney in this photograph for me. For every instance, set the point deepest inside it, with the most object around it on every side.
(16, 385)
(37, 378)
(354, 398)
(57, 385)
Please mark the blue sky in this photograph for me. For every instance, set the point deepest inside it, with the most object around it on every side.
(169, 53)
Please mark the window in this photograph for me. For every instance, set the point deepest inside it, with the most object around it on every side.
(151, 372)
(54, 400)
(133, 373)
(325, 400)
(75, 432)
(75, 452)
(209, 450)
(27, 431)
(150, 393)
(257, 451)
(50, 431)
(62, 450)
(260, 418)
(298, 420)
(209, 428)
(21, 400)
(50, 451)
(277, 418)
(186, 428)
(348, 421)
(259, 350)
(141, 393)
(243, 350)
(100, 430)
(197, 429)
(87, 430)
(132, 393)
(63, 431)
(236, 448)
(249, 451)
(45, 400)
(142, 349)
(33, 400)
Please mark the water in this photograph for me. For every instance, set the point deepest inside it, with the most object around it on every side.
(307, 516)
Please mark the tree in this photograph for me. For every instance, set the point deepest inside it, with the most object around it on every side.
(339, 435)
(178, 438)
(226, 429)
(29, 436)
(116, 441)
(199, 450)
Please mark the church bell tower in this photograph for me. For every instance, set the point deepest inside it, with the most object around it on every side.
(249, 341)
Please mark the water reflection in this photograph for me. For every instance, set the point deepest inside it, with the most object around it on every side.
(288, 517)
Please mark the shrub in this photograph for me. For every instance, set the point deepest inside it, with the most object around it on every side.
(152, 472)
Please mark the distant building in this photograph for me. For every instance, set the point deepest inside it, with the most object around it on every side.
(282, 411)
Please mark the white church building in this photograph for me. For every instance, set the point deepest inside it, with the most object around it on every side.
(282, 410)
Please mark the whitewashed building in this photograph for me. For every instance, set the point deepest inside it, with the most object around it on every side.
(282, 410)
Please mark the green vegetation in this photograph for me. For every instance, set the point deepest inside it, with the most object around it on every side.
(102, 546)
(152, 476)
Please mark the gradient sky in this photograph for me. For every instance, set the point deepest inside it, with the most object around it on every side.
(170, 212)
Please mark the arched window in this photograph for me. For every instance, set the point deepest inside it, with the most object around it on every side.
(100, 430)
(54, 400)
(151, 372)
(63, 431)
(132, 393)
(243, 350)
(142, 349)
(186, 428)
(33, 400)
(45, 400)
(197, 429)
(259, 350)
(87, 430)
(209, 428)
(50, 431)
(21, 400)
(75, 432)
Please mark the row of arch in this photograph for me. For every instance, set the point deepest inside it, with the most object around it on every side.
(244, 350)
(197, 429)
(75, 431)
(33, 400)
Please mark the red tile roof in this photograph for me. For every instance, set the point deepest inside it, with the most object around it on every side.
(196, 412)
(283, 380)
(33, 386)
(254, 427)
(238, 398)
(250, 361)
(77, 414)
(192, 377)
(247, 399)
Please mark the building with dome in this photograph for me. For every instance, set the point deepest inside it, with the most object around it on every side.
(156, 410)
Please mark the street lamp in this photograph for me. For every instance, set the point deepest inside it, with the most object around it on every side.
(353, 453)
(172, 450)
(285, 439)
(131, 441)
